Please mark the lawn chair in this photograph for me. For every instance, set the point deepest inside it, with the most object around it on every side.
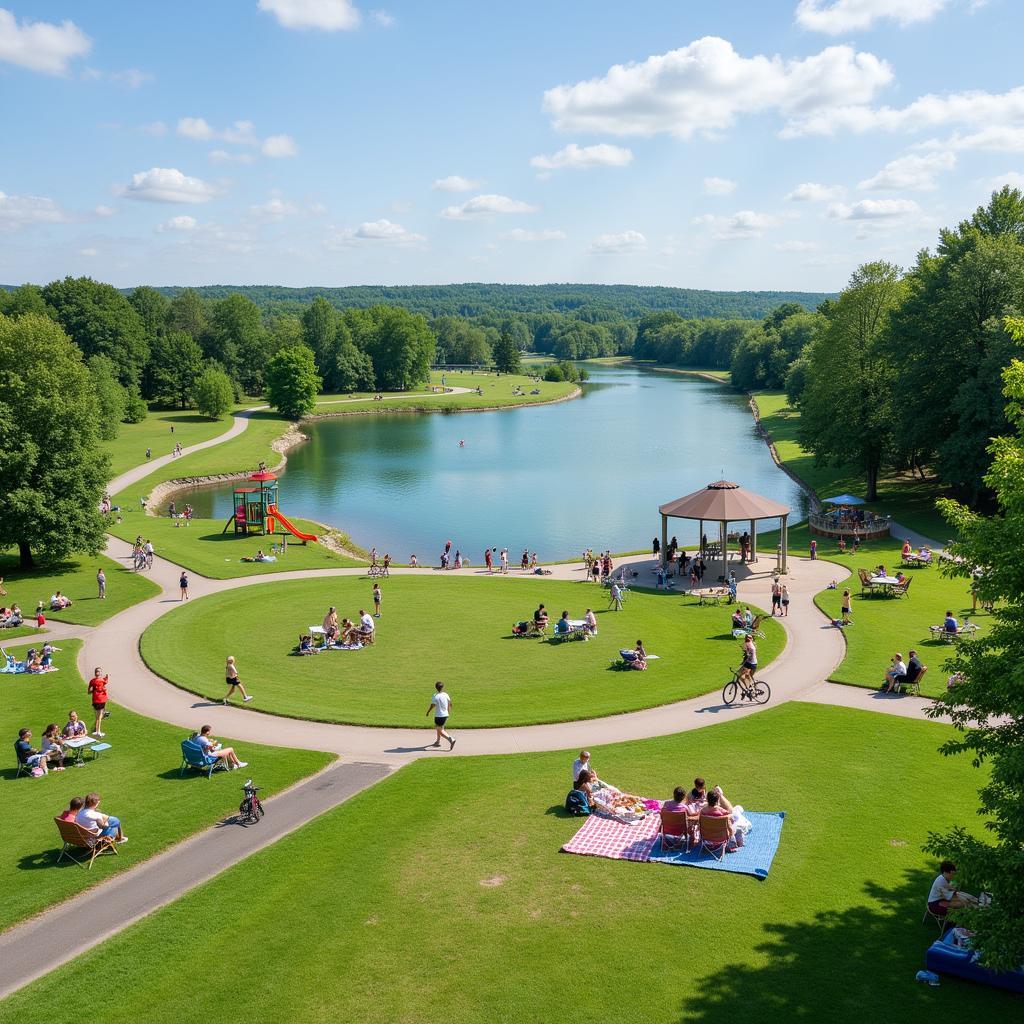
(193, 756)
(915, 686)
(754, 629)
(714, 834)
(678, 830)
(901, 589)
(77, 838)
(940, 919)
(866, 586)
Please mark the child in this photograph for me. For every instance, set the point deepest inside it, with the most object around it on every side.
(846, 609)
(376, 600)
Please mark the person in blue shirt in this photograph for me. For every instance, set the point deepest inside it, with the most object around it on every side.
(951, 625)
(563, 626)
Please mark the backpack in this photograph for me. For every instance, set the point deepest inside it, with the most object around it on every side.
(576, 803)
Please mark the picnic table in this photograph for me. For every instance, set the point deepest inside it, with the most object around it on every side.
(710, 595)
(884, 583)
(78, 745)
(941, 633)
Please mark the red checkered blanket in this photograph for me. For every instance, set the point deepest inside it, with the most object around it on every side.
(602, 837)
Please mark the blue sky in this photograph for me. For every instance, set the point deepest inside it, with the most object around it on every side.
(734, 144)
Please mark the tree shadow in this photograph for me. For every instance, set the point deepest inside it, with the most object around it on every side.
(840, 965)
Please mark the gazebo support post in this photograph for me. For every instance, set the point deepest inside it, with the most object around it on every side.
(725, 551)
(785, 543)
(700, 537)
(664, 540)
(752, 553)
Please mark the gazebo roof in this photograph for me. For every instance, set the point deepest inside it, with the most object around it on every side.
(263, 475)
(723, 500)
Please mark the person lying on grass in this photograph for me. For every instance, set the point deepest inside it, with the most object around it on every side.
(212, 748)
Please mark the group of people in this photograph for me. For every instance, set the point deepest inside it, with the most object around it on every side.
(449, 561)
(85, 811)
(37, 660)
(599, 567)
(703, 803)
(345, 632)
(52, 750)
(902, 673)
(59, 601)
(184, 516)
(489, 558)
(11, 618)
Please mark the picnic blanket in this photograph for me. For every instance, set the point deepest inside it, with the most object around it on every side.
(602, 837)
(343, 647)
(753, 858)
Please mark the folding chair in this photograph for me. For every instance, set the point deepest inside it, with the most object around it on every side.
(193, 756)
(674, 832)
(77, 838)
(714, 834)
(940, 919)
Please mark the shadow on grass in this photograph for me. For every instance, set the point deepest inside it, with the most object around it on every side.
(559, 811)
(838, 965)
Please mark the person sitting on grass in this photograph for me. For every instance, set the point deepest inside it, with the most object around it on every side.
(92, 819)
(75, 804)
(53, 747)
(58, 602)
(951, 625)
(75, 726)
(590, 623)
(349, 633)
(331, 629)
(641, 656)
(212, 748)
(306, 645)
(896, 675)
(944, 895)
(34, 760)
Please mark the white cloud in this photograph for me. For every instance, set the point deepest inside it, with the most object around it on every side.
(795, 246)
(584, 157)
(88, 253)
(994, 110)
(104, 211)
(181, 223)
(839, 16)
(384, 18)
(222, 156)
(456, 183)
(154, 128)
(195, 128)
(274, 209)
(131, 78)
(41, 45)
(545, 235)
(486, 206)
(916, 171)
(992, 139)
(702, 88)
(17, 212)
(1012, 178)
(813, 192)
(742, 224)
(719, 186)
(279, 146)
(614, 244)
(168, 185)
(328, 15)
(874, 209)
(381, 232)
(238, 133)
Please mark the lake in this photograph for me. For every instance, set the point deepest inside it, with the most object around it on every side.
(554, 479)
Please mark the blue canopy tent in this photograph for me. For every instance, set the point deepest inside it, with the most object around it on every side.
(843, 499)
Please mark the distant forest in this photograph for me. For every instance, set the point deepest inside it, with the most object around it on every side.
(473, 300)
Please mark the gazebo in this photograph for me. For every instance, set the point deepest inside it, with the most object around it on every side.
(725, 502)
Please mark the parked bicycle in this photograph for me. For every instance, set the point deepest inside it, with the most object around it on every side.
(756, 691)
(250, 810)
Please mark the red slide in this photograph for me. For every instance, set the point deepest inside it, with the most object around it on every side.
(274, 515)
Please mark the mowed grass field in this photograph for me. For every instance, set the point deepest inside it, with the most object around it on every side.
(457, 629)
(138, 780)
(75, 578)
(441, 894)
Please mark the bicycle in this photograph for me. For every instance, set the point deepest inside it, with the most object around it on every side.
(250, 810)
(758, 693)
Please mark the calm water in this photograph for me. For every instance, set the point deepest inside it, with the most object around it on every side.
(554, 479)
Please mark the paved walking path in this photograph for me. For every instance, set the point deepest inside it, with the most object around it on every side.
(37, 946)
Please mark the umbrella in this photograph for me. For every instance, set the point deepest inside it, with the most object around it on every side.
(844, 499)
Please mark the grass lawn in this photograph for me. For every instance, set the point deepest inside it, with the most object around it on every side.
(77, 580)
(883, 625)
(204, 548)
(138, 780)
(440, 894)
(908, 500)
(128, 449)
(455, 629)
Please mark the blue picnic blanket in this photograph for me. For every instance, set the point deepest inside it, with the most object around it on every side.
(753, 858)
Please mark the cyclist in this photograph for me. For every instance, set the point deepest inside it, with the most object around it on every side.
(749, 666)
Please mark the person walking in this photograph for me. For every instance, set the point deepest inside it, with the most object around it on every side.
(785, 600)
(441, 707)
(814, 550)
(489, 560)
(149, 454)
(504, 560)
(101, 583)
(376, 600)
(776, 598)
(234, 683)
(97, 691)
(183, 583)
(616, 597)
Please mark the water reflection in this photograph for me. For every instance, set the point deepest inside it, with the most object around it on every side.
(554, 479)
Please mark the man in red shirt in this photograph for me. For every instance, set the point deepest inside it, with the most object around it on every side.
(98, 693)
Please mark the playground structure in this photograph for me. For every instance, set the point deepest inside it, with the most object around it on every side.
(256, 511)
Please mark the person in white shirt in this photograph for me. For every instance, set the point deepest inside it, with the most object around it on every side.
(581, 762)
(441, 706)
(366, 626)
(212, 748)
(590, 623)
(75, 726)
(90, 817)
(896, 674)
(944, 895)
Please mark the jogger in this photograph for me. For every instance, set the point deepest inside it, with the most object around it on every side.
(441, 706)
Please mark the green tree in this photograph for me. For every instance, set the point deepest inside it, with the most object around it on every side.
(152, 308)
(352, 370)
(237, 340)
(188, 312)
(846, 411)
(987, 707)
(111, 398)
(292, 381)
(101, 322)
(400, 344)
(52, 468)
(460, 343)
(283, 332)
(177, 364)
(507, 357)
(320, 322)
(27, 298)
(213, 393)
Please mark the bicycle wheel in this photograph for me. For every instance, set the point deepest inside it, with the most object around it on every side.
(729, 692)
(762, 692)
